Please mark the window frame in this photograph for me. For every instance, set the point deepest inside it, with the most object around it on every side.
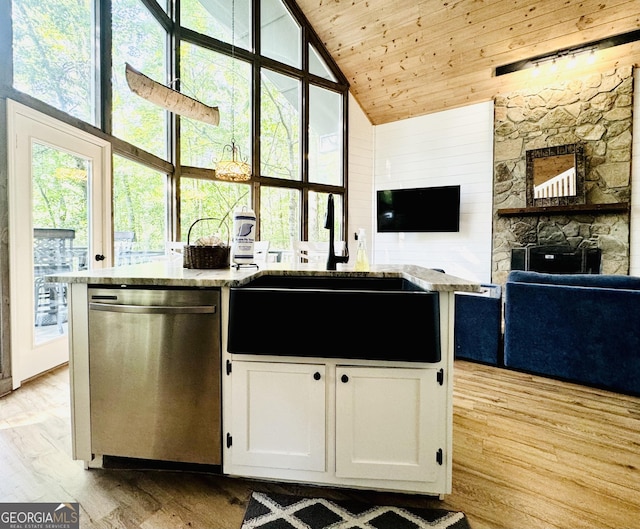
(172, 166)
(259, 62)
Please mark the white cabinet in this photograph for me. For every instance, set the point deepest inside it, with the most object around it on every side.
(388, 423)
(278, 418)
(353, 425)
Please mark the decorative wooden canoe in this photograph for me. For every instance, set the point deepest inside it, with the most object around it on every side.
(168, 98)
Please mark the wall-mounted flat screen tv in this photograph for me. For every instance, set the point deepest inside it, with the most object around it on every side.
(424, 209)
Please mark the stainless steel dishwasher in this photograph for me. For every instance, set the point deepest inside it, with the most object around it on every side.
(154, 361)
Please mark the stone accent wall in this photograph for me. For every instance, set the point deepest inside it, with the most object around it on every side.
(595, 111)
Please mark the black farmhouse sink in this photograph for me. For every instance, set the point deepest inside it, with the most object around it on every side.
(369, 318)
(334, 283)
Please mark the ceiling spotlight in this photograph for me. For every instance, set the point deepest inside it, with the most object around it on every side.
(536, 70)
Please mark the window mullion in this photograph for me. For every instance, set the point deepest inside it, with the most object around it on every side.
(255, 99)
(173, 129)
(103, 96)
(345, 163)
(304, 210)
(6, 43)
(165, 21)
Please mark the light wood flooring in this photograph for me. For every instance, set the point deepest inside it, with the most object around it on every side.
(529, 452)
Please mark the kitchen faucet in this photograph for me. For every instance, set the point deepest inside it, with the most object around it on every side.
(329, 222)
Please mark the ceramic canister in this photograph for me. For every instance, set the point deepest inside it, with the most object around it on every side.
(244, 228)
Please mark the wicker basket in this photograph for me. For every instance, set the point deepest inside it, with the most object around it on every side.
(205, 257)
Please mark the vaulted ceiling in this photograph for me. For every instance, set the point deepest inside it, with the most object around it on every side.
(406, 58)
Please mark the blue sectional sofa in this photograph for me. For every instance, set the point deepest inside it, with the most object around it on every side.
(577, 327)
(478, 325)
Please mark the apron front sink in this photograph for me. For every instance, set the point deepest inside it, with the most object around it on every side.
(334, 283)
(368, 318)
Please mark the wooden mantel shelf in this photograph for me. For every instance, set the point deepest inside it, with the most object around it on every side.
(575, 209)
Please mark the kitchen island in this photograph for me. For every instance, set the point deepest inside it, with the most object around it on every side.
(340, 419)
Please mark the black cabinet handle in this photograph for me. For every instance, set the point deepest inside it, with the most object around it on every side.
(99, 257)
(317, 376)
(344, 378)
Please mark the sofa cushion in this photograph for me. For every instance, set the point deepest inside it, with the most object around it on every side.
(478, 325)
(585, 334)
(577, 280)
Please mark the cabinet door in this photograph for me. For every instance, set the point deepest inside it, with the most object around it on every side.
(279, 415)
(389, 423)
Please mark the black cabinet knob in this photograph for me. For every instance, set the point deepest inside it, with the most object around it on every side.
(344, 378)
(317, 376)
(99, 257)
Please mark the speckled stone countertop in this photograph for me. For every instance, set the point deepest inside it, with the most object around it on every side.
(171, 273)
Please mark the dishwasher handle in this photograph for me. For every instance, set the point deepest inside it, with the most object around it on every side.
(154, 309)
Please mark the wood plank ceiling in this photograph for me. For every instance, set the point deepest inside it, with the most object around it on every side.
(406, 58)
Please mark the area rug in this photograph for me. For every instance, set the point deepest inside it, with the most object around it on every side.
(277, 511)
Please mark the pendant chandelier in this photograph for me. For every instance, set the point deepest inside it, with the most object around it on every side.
(233, 167)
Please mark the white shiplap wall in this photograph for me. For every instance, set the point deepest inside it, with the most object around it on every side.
(447, 148)
(360, 176)
(634, 257)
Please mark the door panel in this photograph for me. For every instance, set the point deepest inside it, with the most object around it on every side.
(388, 423)
(279, 420)
(58, 203)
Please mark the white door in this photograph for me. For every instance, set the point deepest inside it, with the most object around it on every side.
(59, 201)
(279, 415)
(390, 423)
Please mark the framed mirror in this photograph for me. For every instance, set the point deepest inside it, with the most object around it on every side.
(555, 175)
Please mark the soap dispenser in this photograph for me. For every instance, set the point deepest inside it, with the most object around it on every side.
(362, 261)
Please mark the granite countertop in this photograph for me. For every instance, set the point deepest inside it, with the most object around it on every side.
(171, 273)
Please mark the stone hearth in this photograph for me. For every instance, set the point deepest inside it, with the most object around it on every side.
(595, 111)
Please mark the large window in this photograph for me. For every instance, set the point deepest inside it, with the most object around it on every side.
(317, 216)
(202, 199)
(53, 56)
(280, 98)
(280, 33)
(280, 143)
(325, 136)
(139, 212)
(280, 216)
(217, 80)
(138, 39)
(318, 66)
(214, 19)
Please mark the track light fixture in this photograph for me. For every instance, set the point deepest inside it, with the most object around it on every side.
(573, 52)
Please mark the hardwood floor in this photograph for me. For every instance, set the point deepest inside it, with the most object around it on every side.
(529, 452)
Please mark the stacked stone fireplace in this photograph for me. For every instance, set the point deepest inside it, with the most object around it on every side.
(595, 112)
